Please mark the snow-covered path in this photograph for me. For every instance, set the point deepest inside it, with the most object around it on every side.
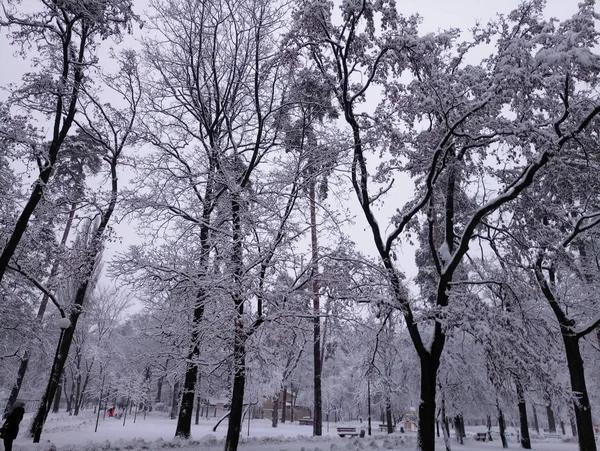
(156, 433)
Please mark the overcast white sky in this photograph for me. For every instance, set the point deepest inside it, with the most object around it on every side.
(437, 14)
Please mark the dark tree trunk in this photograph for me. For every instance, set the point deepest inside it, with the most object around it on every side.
(198, 409)
(237, 397)
(159, 386)
(284, 406)
(535, 419)
(525, 440)
(489, 428)
(174, 401)
(184, 420)
(317, 362)
(77, 393)
(426, 433)
(239, 339)
(550, 415)
(573, 426)
(583, 411)
(58, 394)
(502, 426)
(275, 413)
(562, 427)
(388, 416)
(14, 391)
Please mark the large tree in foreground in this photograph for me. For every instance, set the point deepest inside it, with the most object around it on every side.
(445, 128)
(66, 35)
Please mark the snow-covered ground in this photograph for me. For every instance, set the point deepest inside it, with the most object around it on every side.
(65, 433)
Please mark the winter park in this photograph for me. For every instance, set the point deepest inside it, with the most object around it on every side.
(299, 225)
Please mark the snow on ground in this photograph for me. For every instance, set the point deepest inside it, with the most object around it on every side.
(65, 433)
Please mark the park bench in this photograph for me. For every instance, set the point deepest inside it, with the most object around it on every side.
(481, 436)
(305, 421)
(383, 428)
(552, 435)
(343, 431)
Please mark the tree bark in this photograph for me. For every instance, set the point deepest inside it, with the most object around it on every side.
(525, 440)
(583, 410)
(426, 433)
(184, 420)
(501, 425)
(159, 386)
(388, 416)
(239, 340)
(58, 394)
(317, 362)
(535, 419)
(284, 406)
(237, 396)
(174, 401)
(275, 412)
(550, 415)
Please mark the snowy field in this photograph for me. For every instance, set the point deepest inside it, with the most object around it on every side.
(64, 433)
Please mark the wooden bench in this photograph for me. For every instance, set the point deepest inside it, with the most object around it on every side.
(343, 431)
(305, 421)
(481, 436)
(383, 428)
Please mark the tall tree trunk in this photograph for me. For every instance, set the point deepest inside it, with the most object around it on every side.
(184, 421)
(426, 433)
(535, 419)
(583, 410)
(445, 427)
(275, 412)
(550, 415)
(501, 426)
(525, 440)
(174, 400)
(317, 362)
(388, 415)
(159, 386)
(239, 340)
(77, 393)
(284, 406)
(237, 396)
(58, 394)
